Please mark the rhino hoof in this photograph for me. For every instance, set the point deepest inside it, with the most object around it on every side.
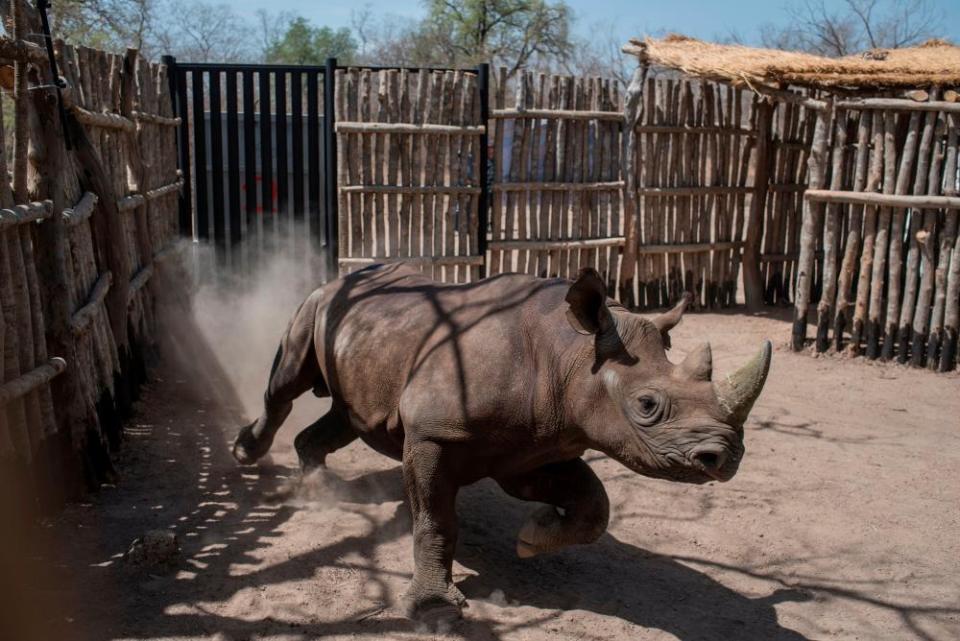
(438, 612)
(248, 449)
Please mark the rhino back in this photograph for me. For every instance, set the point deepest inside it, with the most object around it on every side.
(452, 361)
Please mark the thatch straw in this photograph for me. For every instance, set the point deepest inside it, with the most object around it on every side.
(933, 63)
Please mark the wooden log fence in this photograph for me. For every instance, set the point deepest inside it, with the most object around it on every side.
(689, 152)
(410, 148)
(75, 263)
(884, 212)
(557, 190)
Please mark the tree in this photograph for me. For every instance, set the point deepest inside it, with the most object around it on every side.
(601, 55)
(305, 44)
(202, 32)
(113, 25)
(272, 27)
(514, 33)
(855, 26)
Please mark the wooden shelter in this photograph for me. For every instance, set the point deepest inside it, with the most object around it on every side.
(848, 202)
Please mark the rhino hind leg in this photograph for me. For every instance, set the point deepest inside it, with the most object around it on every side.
(432, 598)
(577, 510)
(295, 371)
(321, 438)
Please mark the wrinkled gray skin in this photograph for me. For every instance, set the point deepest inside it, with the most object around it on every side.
(511, 378)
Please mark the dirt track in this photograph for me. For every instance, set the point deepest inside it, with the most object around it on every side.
(842, 524)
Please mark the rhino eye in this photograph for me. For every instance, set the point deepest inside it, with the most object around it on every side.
(650, 405)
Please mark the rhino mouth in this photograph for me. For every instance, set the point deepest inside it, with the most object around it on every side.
(703, 465)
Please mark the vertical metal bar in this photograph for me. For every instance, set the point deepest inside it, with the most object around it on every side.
(216, 161)
(200, 158)
(233, 158)
(178, 94)
(483, 214)
(249, 151)
(313, 154)
(266, 148)
(280, 86)
(330, 165)
(296, 104)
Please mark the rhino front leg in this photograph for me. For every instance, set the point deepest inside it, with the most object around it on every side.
(578, 509)
(295, 371)
(432, 596)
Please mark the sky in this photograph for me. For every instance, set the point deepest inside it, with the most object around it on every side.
(705, 19)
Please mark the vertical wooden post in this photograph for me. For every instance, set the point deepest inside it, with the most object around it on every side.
(137, 151)
(48, 167)
(830, 232)
(632, 110)
(108, 227)
(854, 232)
(752, 279)
(879, 265)
(915, 309)
(908, 157)
(812, 213)
(330, 167)
(874, 175)
(178, 98)
(483, 89)
(947, 237)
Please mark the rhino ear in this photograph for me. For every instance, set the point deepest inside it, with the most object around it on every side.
(588, 313)
(670, 319)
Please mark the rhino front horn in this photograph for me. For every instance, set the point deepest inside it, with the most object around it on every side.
(738, 391)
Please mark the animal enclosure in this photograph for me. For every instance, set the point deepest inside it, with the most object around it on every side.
(839, 201)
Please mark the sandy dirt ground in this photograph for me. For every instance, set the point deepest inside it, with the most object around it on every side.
(843, 523)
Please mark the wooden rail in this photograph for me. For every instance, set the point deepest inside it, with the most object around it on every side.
(26, 383)
(573, 243)
(27, 213)
(558, 186)
(409, 189)
(81, 320)
(689, 248)
(563, 114)
(412, 260)
(899, 104)
(409, 128)
(103, 120)
(885, 200)
(82, 210)
(155, 119)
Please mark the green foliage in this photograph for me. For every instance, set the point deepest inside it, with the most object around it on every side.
(306, 44)
(512, 32)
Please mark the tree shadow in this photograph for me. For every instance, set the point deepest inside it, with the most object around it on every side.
(614, 578)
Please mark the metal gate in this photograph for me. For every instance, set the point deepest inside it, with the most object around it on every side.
(259, 157)
(254, 144)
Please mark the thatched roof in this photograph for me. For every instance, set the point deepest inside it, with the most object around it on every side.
(933, 63)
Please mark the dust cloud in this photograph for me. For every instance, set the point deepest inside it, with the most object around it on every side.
(225, 335)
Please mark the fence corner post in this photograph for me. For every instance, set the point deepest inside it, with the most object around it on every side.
(330, 168)
(629, 172)
(178, 99)
(810, 226)
(752, 278)
(483, 202)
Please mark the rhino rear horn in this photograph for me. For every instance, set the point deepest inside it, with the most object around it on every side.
(698, 365)
(739, 391)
